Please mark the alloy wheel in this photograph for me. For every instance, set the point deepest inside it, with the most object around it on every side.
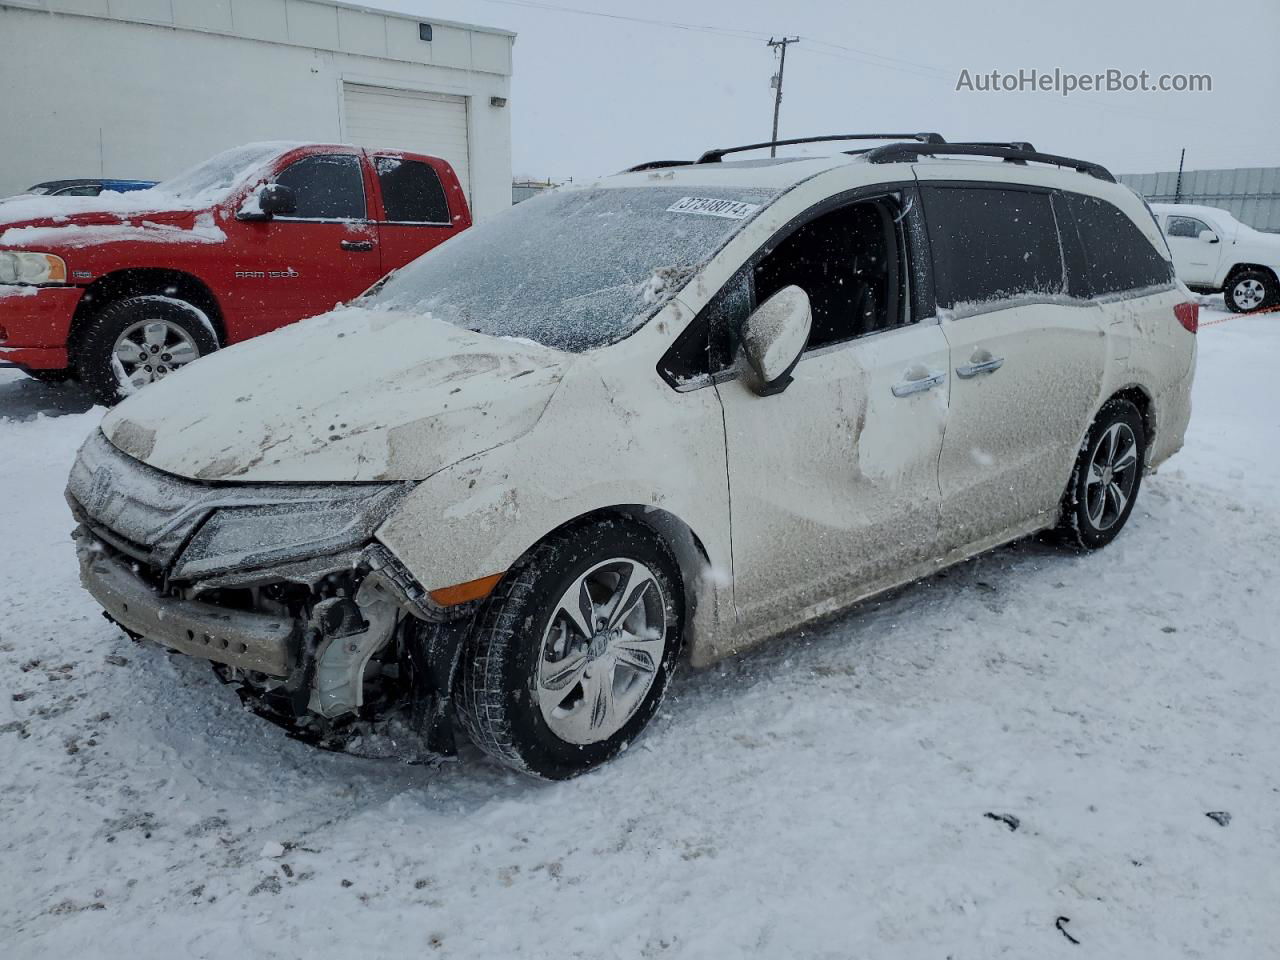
(150, 350)
(601, 651)
(1113, 473)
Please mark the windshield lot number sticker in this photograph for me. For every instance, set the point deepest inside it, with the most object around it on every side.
(711, 207)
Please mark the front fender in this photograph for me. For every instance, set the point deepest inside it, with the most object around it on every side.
(602, 443)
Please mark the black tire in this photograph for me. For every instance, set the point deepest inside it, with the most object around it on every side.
(49, 376)
(94, 349)
(496, 696)
(1240, 291)
(1083, 525)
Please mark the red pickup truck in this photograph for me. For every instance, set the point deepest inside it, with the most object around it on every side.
(120, 290)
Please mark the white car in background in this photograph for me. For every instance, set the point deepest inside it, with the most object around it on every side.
(1214, 252)
(683, 409)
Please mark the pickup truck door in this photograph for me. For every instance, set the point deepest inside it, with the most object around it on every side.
(420, 207)
(1195, 260)
(296, 266)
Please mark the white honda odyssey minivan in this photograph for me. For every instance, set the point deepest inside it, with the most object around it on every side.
(673, 412)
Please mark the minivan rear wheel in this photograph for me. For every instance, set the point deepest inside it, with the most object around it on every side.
(1107, 476)
(571, 654)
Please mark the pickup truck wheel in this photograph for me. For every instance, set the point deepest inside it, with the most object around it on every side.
(1106, 478)
(570, 655)
(134, 342)
(1251, 290)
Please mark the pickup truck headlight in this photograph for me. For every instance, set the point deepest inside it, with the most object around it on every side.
(20, 266)
(260, 535)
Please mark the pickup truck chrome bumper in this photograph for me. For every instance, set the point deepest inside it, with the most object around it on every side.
(250, 641)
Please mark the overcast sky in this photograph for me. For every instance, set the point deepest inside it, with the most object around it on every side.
(591, 94)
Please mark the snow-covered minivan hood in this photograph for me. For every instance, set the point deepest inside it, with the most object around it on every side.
(353, 395)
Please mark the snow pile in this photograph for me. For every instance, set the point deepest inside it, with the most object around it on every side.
(996, 762)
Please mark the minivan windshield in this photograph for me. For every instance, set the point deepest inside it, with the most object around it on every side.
(574, 268)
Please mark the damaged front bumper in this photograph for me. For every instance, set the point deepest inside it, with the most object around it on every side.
(282, 586)
(241, 639)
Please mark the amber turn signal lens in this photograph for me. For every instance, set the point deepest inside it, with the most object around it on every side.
(57, 269)
(465, 592)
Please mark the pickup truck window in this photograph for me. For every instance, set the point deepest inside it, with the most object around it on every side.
(411, 191)
(328, 187)
(1185, 227)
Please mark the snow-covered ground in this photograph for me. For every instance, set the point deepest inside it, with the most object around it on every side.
(825, 797)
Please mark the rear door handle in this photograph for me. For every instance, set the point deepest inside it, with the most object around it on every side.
(908, 387)
(971, 370)
(356, 246)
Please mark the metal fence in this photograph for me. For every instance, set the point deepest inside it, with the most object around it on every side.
(1250, 194)
(524, 189)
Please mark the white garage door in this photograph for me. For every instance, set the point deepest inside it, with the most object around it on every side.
(430, 123)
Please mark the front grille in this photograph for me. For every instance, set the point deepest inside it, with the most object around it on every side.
(137, 509)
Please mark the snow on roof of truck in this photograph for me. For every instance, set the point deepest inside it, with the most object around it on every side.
(1191, 210)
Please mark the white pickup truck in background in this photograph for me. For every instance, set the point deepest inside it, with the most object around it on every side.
(1214, 252)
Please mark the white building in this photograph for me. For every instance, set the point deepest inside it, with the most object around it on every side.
(141, 89)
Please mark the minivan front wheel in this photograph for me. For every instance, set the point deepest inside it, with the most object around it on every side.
(571, 655)
(1106, 478)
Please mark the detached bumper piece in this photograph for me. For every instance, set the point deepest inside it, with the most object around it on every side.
(248, 641)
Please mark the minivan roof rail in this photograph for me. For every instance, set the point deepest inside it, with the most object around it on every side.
(906, 148)
(714, 156)
(1010, 153)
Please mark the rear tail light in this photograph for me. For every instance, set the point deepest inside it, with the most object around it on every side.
(1188, 315)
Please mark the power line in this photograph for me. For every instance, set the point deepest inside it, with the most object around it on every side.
(672, 24)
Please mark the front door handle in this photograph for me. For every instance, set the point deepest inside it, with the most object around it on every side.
(356, 246)
(971, 370)
(907, 387)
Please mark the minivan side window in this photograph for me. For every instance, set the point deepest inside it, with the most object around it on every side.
(411, 191)
(1118, 257)
(992, 244)
(850, 263)
(851, 260)
(328, 187)
(1185, 227)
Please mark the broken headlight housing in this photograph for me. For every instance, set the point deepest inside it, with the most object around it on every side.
(256, 535)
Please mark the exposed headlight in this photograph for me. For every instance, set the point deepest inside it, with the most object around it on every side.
(19, 266)
(254, 536)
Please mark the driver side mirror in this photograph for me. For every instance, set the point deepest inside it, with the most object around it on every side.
(1208, 236)
(774, 338)
(269, 200)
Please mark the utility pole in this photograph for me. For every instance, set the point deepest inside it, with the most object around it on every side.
(777, 84)
(1177, 190)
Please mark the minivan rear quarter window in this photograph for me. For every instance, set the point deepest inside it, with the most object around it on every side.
(1118, 257)
(992, 244)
